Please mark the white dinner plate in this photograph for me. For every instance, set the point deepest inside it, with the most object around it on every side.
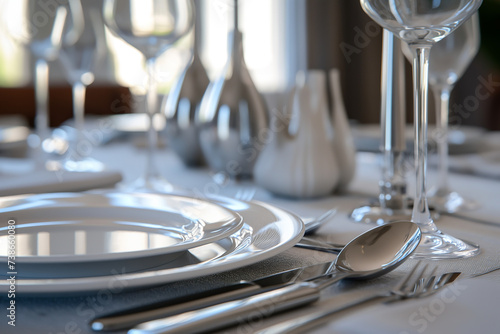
(79, 234)
(268, 231)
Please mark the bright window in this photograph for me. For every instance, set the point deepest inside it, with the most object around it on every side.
(265, 41)
(13, 58)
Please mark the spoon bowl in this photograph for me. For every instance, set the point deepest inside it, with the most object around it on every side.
(379, 250)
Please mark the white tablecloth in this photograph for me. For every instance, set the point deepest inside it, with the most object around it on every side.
(476, 307)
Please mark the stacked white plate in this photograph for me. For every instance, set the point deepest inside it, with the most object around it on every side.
(78, 242)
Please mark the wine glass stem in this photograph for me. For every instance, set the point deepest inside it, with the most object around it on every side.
(421, 214)
(42, 108)
(442, 108)
(151, 100)
(393, 185)
(79, 91)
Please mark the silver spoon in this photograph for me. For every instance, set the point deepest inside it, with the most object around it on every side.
(371, 254)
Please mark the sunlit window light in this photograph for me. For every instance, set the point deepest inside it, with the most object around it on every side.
(80, 242)
(263, 40)
(265, 46)
(138, 11)
(128, 64)
(126, 241)
(14, 67)
(43, 243)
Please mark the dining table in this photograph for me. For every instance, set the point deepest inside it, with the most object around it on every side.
(469, 304)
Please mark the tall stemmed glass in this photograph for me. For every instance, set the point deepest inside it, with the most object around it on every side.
(40, 29)
(422, 23)
(151, 26)
(450, 59)
(81, 50)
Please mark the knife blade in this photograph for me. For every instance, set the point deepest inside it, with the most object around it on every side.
(129, 318)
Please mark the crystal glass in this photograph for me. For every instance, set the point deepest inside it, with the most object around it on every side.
(393, 201)
(151, 26)
(450, 59)
(182, 105)
(82, 48)
(40, 29)
(421, 24)
(233, 114)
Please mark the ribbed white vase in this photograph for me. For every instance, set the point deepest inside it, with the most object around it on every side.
(343, 141)
(299, 161)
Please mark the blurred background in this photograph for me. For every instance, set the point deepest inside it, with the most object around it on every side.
(281, 37)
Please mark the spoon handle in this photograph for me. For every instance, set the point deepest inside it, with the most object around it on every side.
(242, 310)
(306, 322)
(233, 312)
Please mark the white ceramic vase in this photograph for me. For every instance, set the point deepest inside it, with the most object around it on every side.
(343, 141)
(298, 160)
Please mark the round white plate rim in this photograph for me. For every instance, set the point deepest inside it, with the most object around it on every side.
(162, 276)
(71, 259)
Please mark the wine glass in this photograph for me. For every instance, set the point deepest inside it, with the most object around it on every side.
(450, 59)
(392, 201)
(151, 26)
(421, 24)
(40, 29)
(82, 48)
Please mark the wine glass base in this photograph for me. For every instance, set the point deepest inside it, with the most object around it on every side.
(150, 184)
(438, 245)
(373, 213)
(451, 202)
(83, 165)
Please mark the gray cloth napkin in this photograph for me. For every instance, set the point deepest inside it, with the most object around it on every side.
(485, 164)
(59, 181)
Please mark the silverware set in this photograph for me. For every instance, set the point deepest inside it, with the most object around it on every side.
(419, 282)
(369, 255)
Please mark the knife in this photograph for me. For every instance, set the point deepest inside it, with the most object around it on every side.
(129, 318)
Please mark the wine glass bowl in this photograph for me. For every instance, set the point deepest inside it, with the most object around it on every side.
(43, 43)
(450, 59)
(79, 58)
(452, 56)
(152, 34)
(422, 23)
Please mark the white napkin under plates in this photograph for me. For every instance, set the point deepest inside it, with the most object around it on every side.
(58, 181)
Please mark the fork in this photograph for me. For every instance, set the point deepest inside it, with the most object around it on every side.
(245, 193)
(312, 224)
(418, 287)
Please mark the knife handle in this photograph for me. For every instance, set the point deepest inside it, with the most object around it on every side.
(129, 318)
(233, 312)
